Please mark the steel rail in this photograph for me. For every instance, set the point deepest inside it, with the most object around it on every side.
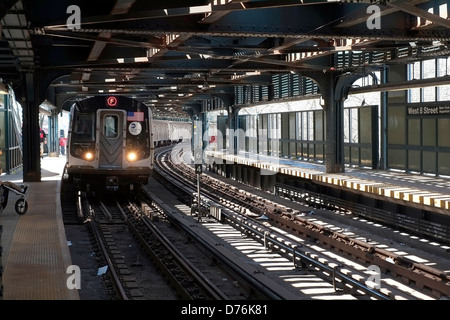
(262, 232)
(120, 289)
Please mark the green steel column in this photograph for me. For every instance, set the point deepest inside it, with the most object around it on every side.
(30, 132)
(334, 89)
(334, 148)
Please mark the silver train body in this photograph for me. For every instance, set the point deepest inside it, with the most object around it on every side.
(170, 132)
(111, 143)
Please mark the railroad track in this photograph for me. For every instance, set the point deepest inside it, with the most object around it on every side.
(105, 221)
(188, 280)
(248, 282)
(433, 282)
(121, 226)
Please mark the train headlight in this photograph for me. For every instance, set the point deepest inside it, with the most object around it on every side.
(132, 156)
(89, 156)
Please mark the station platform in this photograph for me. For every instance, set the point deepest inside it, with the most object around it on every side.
(419, 191)
(35, 250)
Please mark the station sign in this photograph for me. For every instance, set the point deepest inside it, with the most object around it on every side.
(428, 110)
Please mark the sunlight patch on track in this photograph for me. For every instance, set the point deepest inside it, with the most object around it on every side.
(306, 284)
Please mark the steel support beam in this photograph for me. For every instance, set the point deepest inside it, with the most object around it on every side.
(30, 131)
(415, 11)
(334, 88)
(232, 134)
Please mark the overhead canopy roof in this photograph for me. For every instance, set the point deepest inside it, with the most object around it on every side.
(174, 56)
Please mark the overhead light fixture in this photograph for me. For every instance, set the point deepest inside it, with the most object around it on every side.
(3, 87)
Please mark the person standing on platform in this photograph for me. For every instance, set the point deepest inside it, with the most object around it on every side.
(42, 140)
(63, 144)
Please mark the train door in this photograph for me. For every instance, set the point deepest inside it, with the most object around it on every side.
(111, 126)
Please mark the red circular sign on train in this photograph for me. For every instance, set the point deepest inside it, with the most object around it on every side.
(111, 101)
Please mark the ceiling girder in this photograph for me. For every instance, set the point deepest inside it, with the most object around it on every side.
(176, 57)
(416, 11)
(208, 9)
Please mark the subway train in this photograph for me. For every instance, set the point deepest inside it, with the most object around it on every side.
(170, 132)
(111, 141)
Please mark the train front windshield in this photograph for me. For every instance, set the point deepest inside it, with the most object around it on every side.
(84, 127)
(111, 124)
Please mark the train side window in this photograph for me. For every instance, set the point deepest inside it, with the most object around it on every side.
(110, 126)
(84, 125)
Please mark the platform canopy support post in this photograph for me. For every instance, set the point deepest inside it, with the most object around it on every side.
(334, 87)
(30, 131)
(333, 106)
